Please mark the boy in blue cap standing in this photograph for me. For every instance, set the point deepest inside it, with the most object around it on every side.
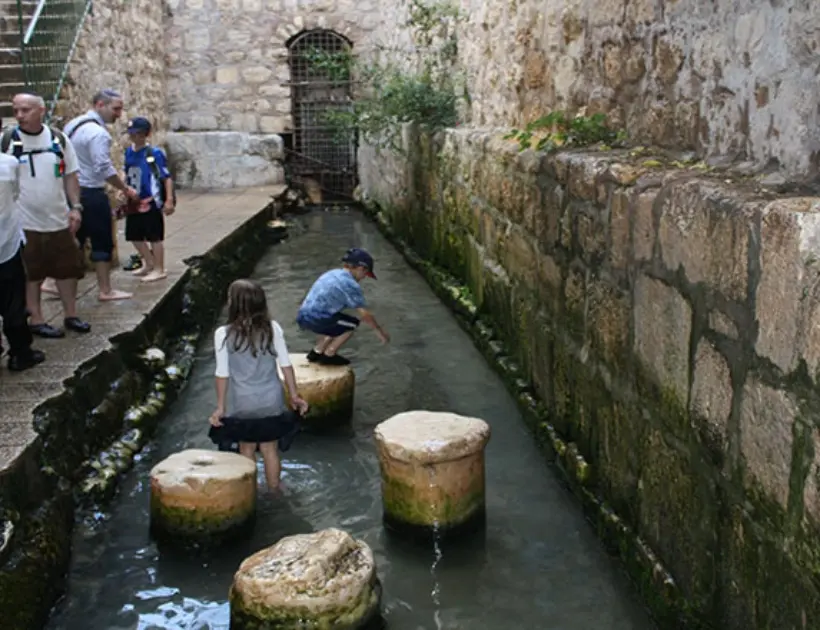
(334, 291)
(146, 171)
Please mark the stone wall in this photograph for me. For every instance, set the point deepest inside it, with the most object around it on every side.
(122, 46)
(228, 65)
(734, 78)
(668, 318)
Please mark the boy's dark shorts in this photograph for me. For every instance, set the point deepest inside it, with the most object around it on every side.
(148, 227)
(333, 326)
(97, 224)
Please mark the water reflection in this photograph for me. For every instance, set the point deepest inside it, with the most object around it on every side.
(537, 564)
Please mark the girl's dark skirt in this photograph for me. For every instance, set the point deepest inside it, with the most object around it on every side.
(282, 428)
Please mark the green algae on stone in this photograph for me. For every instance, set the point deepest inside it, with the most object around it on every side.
(196, 525)
(402, 504)
(201, 495)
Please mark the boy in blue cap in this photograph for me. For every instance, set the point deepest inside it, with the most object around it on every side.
(334, 291)
(146, 171)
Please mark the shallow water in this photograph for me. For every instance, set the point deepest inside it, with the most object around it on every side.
(539, 566)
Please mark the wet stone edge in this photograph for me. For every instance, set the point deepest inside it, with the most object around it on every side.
(91, 433)
(655, 584)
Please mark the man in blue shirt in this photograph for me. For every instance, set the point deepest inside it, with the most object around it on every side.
(335, 291)
(147, 172)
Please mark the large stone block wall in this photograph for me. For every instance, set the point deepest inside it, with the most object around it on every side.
(122, 46)
(228, 59)
(669, 321)
(228, 70)
(733, 78)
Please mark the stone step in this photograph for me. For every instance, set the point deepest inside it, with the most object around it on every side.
(8, 90)
(6, 113)
(11, 73)
(10, 56)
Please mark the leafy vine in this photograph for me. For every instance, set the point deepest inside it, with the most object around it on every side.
(423, 88)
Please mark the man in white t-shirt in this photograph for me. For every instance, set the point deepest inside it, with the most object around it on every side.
(50, 211)
(12, 272)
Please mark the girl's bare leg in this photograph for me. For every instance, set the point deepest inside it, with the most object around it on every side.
(273, 466)
(248, 449)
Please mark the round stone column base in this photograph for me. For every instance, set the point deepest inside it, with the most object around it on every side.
(432, 469)
(328, 390)
(321, 580)
(202, 497)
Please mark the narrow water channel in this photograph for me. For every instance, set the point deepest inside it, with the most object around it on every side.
(539, 566)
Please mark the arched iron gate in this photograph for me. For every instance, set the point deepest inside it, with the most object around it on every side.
(320, 84)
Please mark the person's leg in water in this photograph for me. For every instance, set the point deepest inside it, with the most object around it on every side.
(248, 449)
(273, 465)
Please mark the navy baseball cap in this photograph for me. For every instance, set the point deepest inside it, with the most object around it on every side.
(359, 258)
(139, 124)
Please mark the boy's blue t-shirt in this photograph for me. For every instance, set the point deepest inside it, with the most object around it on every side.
(140, 176)
(333, 292)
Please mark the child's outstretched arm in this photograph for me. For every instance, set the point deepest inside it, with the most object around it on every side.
(368, 318)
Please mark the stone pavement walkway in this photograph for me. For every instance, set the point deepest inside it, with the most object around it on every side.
(201, 221)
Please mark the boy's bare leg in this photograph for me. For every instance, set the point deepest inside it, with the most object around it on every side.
(337, 342)
(158, 254)
(321, 344)
(147, 259)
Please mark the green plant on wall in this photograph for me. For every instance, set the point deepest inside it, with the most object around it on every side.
(556, 131)
(336, 66)
(422, 88)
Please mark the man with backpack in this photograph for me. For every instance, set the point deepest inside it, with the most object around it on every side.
(146, 170)
(92, 142)
(49, 186)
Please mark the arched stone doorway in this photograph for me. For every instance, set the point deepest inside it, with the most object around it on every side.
(320, 77)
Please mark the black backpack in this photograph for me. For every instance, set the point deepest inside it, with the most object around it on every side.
(11, 137)
(152, 164)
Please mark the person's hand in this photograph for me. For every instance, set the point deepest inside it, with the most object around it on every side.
(383, 336)
(75, 219)
(168, 208)
(216, 418)
(299, 405)
(131, 193)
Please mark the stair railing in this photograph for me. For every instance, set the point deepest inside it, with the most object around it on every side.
(47, 45)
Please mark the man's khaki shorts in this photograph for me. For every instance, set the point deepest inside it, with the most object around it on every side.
(52, 255)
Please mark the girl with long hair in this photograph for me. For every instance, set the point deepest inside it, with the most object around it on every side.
(251, 407)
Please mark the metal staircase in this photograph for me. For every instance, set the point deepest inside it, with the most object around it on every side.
(37, 41)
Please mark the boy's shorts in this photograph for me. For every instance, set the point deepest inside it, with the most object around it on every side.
(147, 227)
(333, 326)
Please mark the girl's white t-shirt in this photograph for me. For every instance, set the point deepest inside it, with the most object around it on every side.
(221, 349)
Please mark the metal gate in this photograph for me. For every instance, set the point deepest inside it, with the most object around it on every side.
(320, 84)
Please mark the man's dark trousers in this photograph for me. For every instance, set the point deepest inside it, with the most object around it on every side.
(13, 306)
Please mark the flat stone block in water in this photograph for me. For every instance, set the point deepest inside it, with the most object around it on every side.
(432, 467)
(327, 389)
(325, 580)
(201, 495)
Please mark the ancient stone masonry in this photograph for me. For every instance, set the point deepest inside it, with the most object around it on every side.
(122, 46)
(667, 317)
(228, 71)
(734, 78)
